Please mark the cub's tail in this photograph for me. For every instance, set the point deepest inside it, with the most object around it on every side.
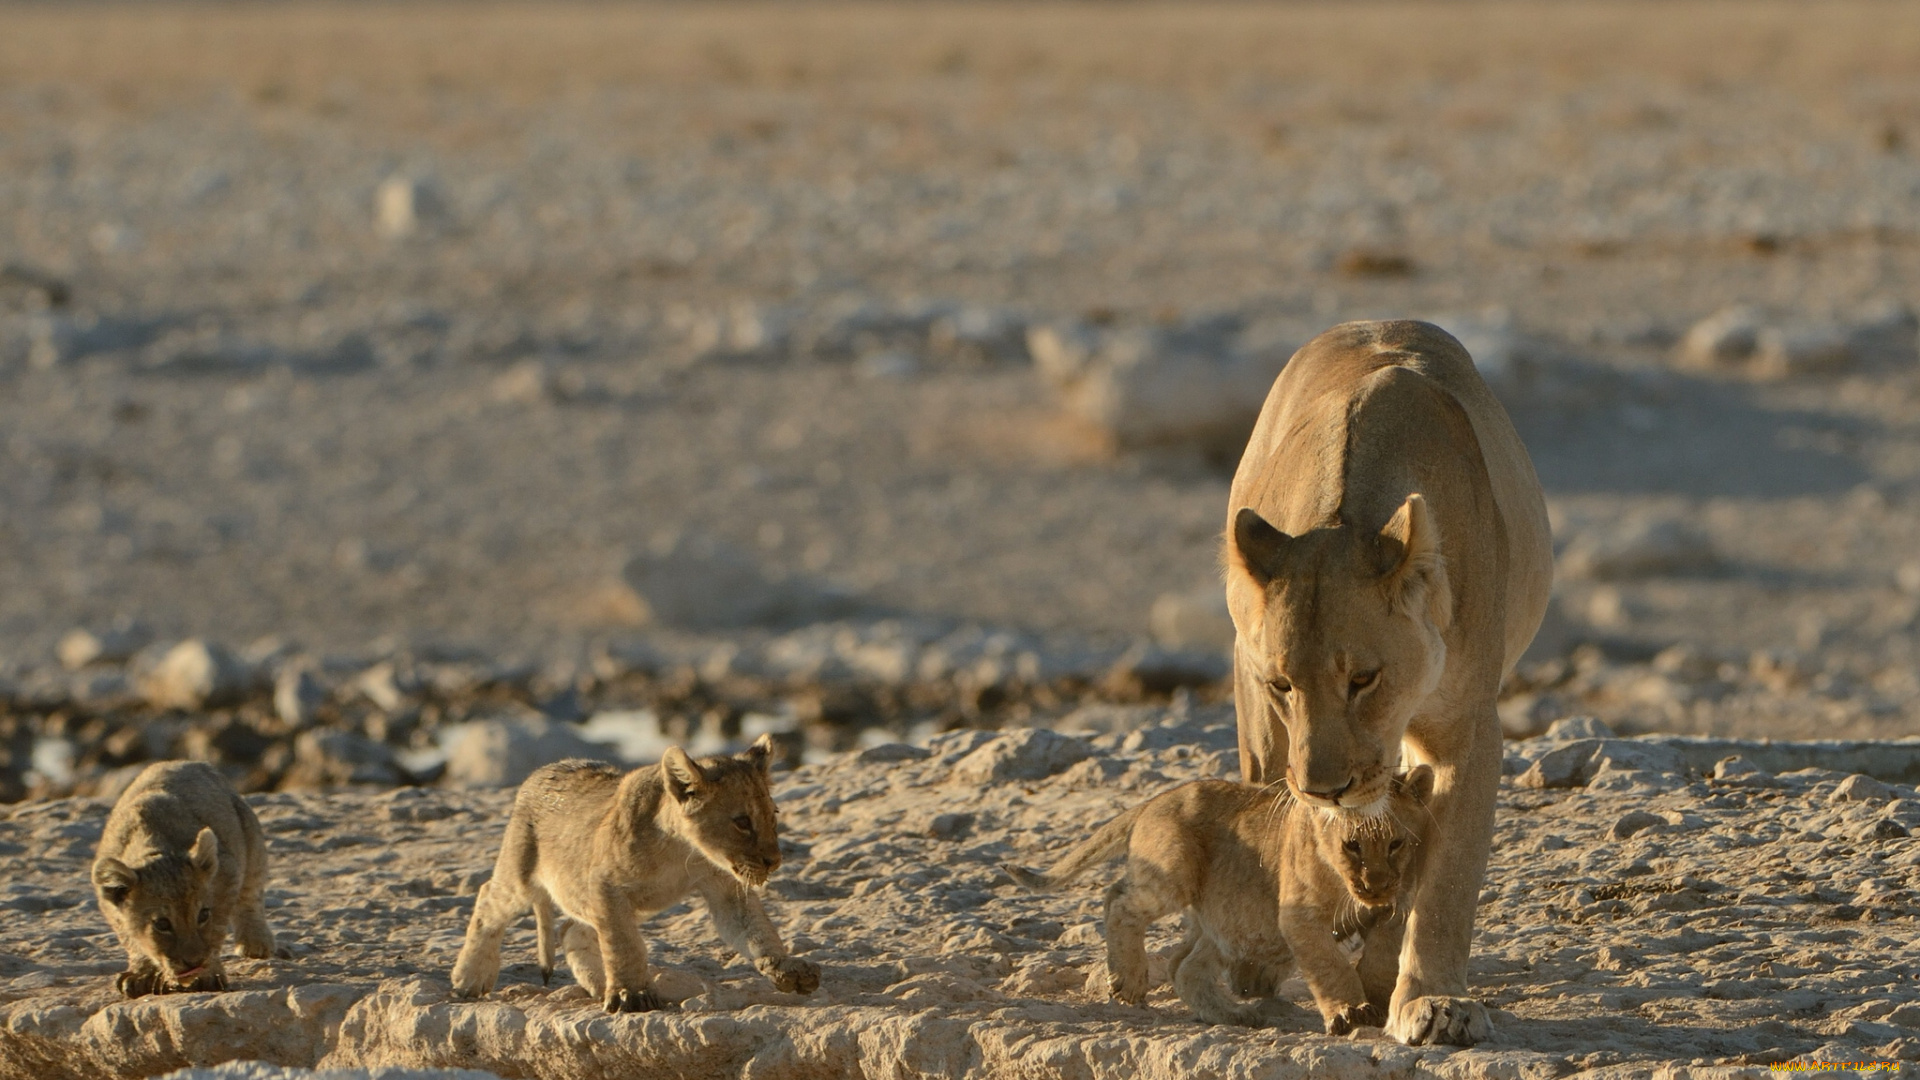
(1107, 841)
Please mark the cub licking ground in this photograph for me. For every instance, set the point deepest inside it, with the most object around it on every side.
(1266, 883)
(181, 862)
(607, 850)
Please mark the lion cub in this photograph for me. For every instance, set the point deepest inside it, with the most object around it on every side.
(181, 862)
(608, 849)
(1267, 883)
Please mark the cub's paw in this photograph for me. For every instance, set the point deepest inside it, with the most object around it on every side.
(135, 984)
(620, 1001)
(794, 975)
(1348, 1017)
(1455, 1021)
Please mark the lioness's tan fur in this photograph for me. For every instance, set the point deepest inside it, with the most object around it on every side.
(182, 862)
(1266, 883)
(608, 849)
(1387, 563)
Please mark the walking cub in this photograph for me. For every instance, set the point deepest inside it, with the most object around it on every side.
(607, 850)
(181, 862)
(1267, 883)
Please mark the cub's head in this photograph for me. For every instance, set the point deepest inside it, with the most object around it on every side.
(1340, 630)
(1372, 852)
(163, 908)
(727, 803)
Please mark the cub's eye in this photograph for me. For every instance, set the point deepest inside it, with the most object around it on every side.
(1361, 680)
(743, 823)
(205, 914)
(163, 925)
(1396, 845)
(1352, 847)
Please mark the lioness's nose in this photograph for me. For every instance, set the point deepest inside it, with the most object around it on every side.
(1331, 795)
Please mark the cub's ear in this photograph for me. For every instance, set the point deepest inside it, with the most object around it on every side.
(684, 777)
(1418, 783)
(205, 855)
(1413, 570)
(1260, 548)
(761, 752)
(114, 879)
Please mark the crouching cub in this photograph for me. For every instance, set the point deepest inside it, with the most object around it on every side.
(1267, 883)
(607, 850)
(181, 863)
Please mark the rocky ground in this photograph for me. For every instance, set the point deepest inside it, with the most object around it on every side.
(1641, 917)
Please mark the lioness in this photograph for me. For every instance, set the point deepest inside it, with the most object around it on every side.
(1387, 562)
(608, 849)
(181, 862)
(1267, 883)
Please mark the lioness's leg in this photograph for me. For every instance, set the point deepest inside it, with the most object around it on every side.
(478, 966)
(618, 926)
(743, 924)
(1430, 1003)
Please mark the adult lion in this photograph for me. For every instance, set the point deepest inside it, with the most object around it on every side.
(1387, 562)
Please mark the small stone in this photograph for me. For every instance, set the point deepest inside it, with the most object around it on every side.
(1027, 754)
(1635, 821)
(1736, 768)
(192, 675)
(402, 204)
(113, 645)
(297, 692)
(893, 752)
(1563, 767)
(1785, 352)
(1643, 546)
(1726, 338)
(950, 826)
(1061, 351)
(525, 383)
(325, 759)
(1578, 727)
(1193, 620)
(1861, 788)
(380, 684)
(504, 752)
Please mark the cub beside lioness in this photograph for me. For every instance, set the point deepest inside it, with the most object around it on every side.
(607, 849)
(1267, 883)
(181, 862)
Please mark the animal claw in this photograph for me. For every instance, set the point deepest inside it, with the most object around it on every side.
(546, 976)
(634, 1001)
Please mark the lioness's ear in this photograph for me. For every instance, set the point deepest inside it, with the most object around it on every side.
(1410, 560)
(761, 752)
(1418, 783)
(114, 879)
(205, 855)
(683, 774)
(1260, 547)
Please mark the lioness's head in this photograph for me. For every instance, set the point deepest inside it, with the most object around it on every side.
(727, 803)
(163, 908)
(1372, 852)
(1345, 642)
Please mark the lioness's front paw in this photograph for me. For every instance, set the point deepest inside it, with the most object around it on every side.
(794, 975)
(620, 1001)
(1348, 1017)
(1456, 1021)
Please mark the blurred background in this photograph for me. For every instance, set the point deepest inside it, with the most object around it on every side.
(407, 392)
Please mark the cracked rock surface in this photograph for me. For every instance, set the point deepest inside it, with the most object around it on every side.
(1648, 922)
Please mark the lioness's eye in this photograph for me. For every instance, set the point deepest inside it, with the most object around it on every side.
(1396, 845)
(1361, 680)
(743, 823)
(1280, 685)
(205, 914)
(165, 926)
